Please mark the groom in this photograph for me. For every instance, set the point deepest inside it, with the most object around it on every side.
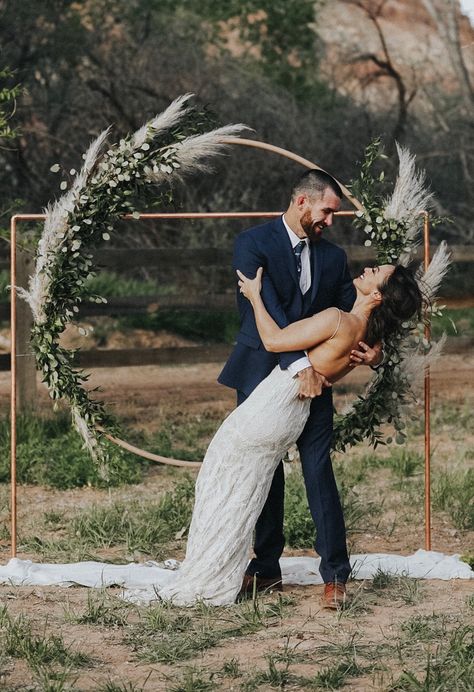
(303, 274)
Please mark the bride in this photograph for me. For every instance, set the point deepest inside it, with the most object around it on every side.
(238, 468)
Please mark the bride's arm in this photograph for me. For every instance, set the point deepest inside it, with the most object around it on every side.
(299, 335)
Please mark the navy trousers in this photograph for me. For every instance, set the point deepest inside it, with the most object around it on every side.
(314, 446)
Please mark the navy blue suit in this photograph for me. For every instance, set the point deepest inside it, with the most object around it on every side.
(269, 246)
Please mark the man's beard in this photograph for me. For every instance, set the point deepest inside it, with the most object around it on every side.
(312, 230)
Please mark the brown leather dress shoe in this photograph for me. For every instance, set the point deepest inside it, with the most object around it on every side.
(334, 596)
(251, 583)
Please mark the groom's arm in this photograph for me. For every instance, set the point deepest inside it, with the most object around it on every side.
(347, 293)
(247, 258)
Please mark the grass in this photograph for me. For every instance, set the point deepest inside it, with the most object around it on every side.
(112, 686)
(449, 667)
(50, 661)
(276, 676)
(168, 634)
(207, 325)
(49, 680)
(112, 285)
(455, 417)
(193, 679)
(425, 628)
(453, 492)
(299, 527)
(330, 677)
(231, 669)
(138, 526)
(401, 461)
(20, 642)
(335, 676)
(428, 653)
(102, 609)
(360, 603)
(290, 654)
(183, 437)
(397, 587)
(106, 283)
(50, 453)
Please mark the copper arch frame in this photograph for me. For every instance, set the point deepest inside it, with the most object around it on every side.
(244, 142)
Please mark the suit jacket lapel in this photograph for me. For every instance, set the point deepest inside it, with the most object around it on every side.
(317, 260)
(284, 254)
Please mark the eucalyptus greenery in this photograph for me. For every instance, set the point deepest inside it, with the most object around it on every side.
(393, 226)
(108, 187)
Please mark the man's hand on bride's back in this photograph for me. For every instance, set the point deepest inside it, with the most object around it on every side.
(365, 355)
(250, 288)
(312, 383)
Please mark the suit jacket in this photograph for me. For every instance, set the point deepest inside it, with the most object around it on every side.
(269, 246)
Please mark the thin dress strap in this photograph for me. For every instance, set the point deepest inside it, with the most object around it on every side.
(338, 325)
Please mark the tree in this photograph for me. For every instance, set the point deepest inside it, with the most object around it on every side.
(8, 96)
(384, 66)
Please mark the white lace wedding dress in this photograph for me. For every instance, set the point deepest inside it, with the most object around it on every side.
(231, 490)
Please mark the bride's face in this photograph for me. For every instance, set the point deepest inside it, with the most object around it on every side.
(373, 277)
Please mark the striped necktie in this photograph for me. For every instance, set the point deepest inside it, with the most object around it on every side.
(297, 250)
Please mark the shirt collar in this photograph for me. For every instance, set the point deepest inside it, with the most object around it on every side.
(292, 235)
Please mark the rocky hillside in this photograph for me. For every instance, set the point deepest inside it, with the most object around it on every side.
(353, 43)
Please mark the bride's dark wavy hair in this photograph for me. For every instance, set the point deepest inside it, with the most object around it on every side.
(402, 300)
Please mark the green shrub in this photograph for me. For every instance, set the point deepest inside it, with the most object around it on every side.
(50, 452)
(110, 284)
(455, 322)
(208, 325)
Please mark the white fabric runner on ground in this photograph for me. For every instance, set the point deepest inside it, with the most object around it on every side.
(143, 581)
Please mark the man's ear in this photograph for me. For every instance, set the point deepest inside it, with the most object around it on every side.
(301, 200)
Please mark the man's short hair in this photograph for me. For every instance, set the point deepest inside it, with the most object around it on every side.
(314, 183)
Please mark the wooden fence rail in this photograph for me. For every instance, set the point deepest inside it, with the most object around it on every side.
(163, 259)
(186, 355)
(136, 305)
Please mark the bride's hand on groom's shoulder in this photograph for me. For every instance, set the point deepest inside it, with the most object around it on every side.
(250, 288)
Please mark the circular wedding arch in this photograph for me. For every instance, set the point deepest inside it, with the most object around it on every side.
(256, 144)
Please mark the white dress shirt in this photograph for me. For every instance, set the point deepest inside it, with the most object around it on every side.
(305, 285)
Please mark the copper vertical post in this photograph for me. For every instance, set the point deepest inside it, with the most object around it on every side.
(13, 382)
(426, 238)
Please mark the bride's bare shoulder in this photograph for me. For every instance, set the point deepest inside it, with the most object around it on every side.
(330, 320)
